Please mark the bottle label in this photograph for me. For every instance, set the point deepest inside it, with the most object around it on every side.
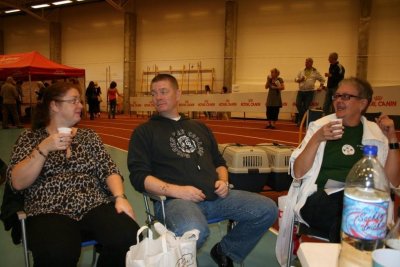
(364, 220)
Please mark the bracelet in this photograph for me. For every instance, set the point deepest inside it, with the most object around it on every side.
(113, 198)
(394, 145)
(41, 152)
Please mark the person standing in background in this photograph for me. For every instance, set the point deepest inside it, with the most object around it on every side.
(91, 99)
(18, 86)
(306, 80)
(275, 84)
(10, 97)
(112, 93)
(99, 99)
(335, 75)
(207, 90)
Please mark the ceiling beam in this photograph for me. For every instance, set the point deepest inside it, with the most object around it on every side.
(12, 4)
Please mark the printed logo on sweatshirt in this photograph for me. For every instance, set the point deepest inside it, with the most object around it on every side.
(186, 143)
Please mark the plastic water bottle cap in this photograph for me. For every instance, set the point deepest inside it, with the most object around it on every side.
(370, 150)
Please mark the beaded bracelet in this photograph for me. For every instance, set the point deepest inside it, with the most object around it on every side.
(41, 152)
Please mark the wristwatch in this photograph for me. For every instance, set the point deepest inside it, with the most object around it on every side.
(394, 145)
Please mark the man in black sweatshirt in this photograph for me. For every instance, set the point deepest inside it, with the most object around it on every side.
(174, 156)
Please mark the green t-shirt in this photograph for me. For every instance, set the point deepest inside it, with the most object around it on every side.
(340, 155)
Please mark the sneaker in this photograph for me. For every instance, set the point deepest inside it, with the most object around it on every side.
(219, 257)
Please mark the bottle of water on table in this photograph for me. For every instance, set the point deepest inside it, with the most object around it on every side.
(365, 209)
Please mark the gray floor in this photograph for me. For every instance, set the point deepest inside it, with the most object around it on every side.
(11, 255)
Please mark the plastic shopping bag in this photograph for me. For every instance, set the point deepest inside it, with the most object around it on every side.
(165, 251)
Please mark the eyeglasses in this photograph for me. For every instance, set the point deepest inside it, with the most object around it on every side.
(74, 101)
(344, 97)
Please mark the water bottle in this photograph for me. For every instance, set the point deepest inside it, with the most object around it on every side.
(365, 209)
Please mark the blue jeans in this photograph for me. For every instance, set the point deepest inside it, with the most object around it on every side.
(252, 212)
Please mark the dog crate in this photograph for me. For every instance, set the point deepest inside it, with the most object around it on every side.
(248, 166)
(278, 157)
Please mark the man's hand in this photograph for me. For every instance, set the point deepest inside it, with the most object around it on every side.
(190, 193)
(221, 188)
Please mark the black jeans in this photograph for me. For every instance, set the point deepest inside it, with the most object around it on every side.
(55, 240)
(324, 213)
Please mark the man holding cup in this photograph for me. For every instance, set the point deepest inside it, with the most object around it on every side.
(306, 79)
(332, 145)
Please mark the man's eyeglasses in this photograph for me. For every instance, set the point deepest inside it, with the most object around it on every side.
(74, 101)
(344, 97)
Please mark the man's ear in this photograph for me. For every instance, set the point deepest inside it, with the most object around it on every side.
(178, 94)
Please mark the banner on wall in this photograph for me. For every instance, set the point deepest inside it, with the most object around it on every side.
(385, 100)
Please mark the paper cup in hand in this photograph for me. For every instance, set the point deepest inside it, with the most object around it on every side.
(338, 127)
(65, 130)
(385, 257)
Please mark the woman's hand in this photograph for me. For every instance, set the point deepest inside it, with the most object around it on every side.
(331, 131)
(57, 141)
(123, 205)
(387, 126)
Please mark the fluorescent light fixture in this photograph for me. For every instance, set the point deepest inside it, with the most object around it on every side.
(80, 0)
(12, 11)
(62, 2)
(40, 6)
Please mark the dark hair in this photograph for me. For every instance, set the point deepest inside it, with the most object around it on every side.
(41, 116)
(207, 88)
(166, 77)
(363, 87)
(112, 85)
(91, 84)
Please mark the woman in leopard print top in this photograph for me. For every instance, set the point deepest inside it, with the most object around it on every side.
(72, 189)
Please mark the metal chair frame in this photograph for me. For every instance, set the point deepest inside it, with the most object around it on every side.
(22, 218)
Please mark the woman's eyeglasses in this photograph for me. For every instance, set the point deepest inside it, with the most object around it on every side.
(74, 101)
(344, 97)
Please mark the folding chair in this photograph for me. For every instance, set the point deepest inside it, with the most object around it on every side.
(151, 219)
(22, 218)
(309, 116)
(372, 115)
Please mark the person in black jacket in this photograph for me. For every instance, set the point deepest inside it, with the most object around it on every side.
(335, 75)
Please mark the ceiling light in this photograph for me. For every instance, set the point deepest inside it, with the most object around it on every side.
(40, 6)
(12, 11)
(62, 2)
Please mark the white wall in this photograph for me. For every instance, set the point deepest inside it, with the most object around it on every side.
(181, 32)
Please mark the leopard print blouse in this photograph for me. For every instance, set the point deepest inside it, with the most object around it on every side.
(67, 186)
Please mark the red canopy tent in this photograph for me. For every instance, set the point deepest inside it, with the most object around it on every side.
(34, 66)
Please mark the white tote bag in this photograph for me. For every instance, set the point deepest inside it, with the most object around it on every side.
(165, 251)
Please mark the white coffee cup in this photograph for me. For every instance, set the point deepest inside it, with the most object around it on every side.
(65, 130)
(385, 257)
(338, 127)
